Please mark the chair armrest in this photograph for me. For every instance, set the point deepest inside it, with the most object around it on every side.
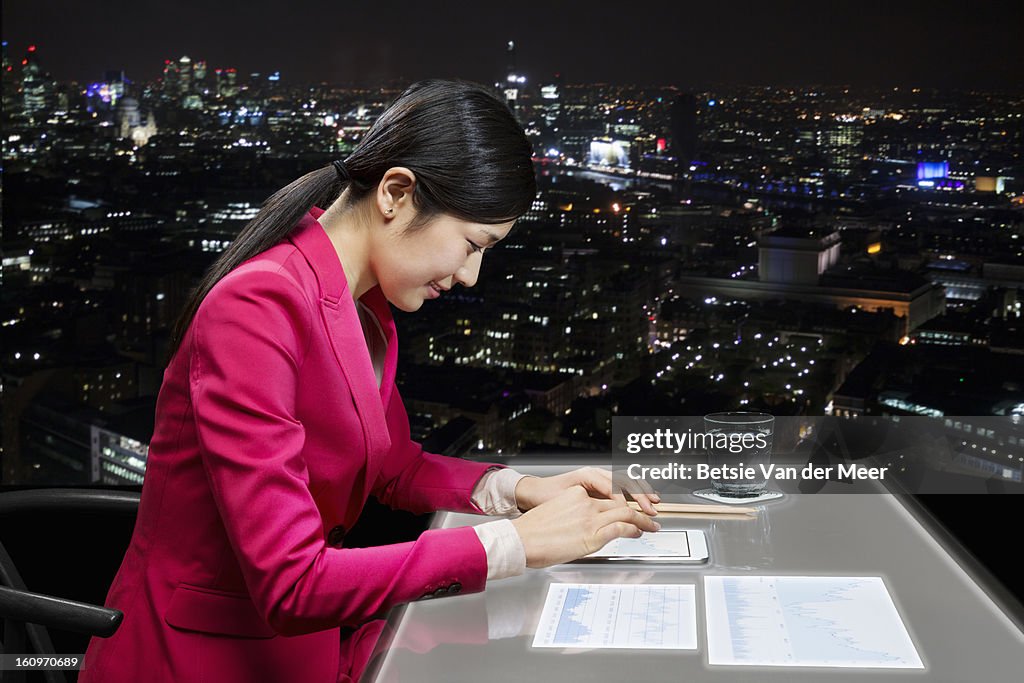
(68, 615)
(77, 500)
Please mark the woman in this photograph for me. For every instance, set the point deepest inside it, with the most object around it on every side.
(278, 417)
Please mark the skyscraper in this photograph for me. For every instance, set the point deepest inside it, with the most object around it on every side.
(514, 81)
(169, 82)
(184, 75)
(115, 81)
(839, 145)
(33, 82)
(199, 72)
(10, 86)
(550, 94)
(226, 82)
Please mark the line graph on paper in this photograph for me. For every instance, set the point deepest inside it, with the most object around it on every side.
(595, 615)
(805, 621)
(662, 544)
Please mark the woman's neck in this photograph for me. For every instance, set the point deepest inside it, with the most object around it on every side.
(349, 232)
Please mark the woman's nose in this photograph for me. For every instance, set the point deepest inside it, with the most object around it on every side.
(470, 270)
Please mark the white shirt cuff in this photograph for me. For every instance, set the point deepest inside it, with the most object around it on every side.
(495, 493)
(505, 553)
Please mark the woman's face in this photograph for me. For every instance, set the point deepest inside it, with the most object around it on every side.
(422, 264)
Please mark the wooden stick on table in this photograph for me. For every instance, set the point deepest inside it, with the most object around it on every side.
(698, 508)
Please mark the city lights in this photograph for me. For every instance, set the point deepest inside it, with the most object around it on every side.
(801, 250)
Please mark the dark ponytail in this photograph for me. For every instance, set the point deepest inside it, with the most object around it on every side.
(469, 154)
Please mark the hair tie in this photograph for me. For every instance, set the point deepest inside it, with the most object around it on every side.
(339, 166)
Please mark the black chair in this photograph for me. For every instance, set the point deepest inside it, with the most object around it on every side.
(28, 616)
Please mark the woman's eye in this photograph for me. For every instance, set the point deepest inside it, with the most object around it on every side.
(476, 247)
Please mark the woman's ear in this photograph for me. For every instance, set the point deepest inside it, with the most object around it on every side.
(395, 191)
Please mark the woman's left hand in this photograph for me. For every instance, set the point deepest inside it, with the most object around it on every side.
(532, 491)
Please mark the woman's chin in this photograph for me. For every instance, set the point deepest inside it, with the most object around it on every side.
(408, 304)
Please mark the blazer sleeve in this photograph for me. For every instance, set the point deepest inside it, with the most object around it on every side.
(248, 340)
(413, 479)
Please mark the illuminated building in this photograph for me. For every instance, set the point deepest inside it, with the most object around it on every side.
(910, 298)
(184, 75)
(609, 154)
(231, 83)
(935, 175)
(932, 170)
(131, 123)
(514, 81)
(550, 107)
(116, 458)
(11, 103)
(33, 83)
(226, 82)
(199, 74)
(115, 84)
(170, 80)
(963, 387)
(840, 145)
(62, 440)
(994, 184)
(106, 94)
(796, 257)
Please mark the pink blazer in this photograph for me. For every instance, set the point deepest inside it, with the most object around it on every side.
(270, 434)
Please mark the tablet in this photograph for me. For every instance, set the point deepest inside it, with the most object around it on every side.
(684, 546)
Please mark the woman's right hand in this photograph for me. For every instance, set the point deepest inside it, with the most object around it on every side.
(573, 524)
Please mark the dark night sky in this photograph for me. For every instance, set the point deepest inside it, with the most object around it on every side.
(893, 42)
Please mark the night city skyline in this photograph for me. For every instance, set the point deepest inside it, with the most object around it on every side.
(922, 44)
(810, 211)
(901, 204)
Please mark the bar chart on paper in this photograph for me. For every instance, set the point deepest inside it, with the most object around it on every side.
(595, 615)
(830, 621)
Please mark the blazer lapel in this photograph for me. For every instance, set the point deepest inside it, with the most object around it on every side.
(344, 332)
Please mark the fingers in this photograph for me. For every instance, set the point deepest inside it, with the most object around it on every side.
(615, 524)
(596, 480)
(639, 490)
(618, 501)
(578, 491)
(574, 524)
(645, 487)
(606, 511)
(603, 483)
(646, 502)
(627, 515)
(610, 532)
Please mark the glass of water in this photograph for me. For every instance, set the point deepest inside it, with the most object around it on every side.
(739, 450)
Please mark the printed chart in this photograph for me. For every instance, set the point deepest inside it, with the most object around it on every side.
(596, 615)
(827, 621)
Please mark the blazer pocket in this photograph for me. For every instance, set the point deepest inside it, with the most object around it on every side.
(206, 610)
